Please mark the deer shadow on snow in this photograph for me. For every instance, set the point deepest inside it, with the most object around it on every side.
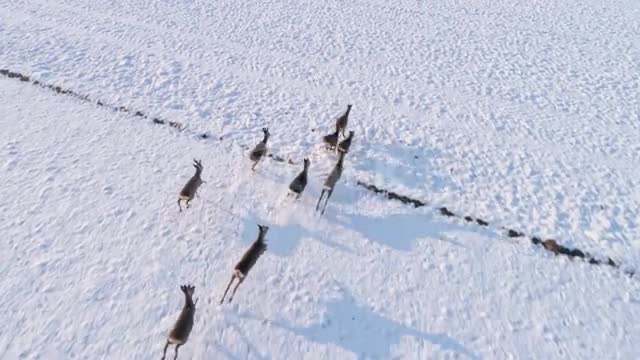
(411, 166)
(285, 235)
(402, 231)
(359, 330)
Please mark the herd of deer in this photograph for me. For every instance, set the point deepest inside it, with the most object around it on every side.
(182, 328)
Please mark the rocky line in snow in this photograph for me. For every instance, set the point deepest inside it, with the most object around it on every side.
(137, 113)
(550, 245)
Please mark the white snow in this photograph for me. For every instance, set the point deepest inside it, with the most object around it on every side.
(522, 113)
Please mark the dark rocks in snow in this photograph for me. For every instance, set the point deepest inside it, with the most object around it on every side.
(444, 211)
(513, 234)
(392, 195)
(62, 91)
(576, 253)
(552, 245)
(14, 75)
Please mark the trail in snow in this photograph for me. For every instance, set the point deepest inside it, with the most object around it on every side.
(524, 113)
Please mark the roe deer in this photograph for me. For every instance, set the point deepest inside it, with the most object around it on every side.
(341, 122)
(330, 183)
(345, 144)
(331, 140)
(247, 261)
(191, 187)
(300, 182)
(182, 328)
(260, 149)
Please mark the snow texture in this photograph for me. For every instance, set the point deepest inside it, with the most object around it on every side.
(523, 113)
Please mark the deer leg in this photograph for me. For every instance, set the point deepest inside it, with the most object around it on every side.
(320, 199)
(254, 166)
(235, 288)
(179, 204)
(176, 355)
(227, 289)
(188, 203)
(326, 201)
(164, 353)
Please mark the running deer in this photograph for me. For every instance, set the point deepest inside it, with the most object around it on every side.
(330, 183)
(191, 187)
(248, 260)
(260, 150)
(331, 140)
(182, 328)
(300, 182)
(345, 144)
(341, 122)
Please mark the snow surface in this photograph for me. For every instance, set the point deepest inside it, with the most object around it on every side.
(526, 114)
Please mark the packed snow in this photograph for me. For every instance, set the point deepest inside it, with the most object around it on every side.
(526, 114)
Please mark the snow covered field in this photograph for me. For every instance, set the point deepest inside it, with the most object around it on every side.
(526, 114)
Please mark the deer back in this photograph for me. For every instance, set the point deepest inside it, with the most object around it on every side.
(183, 326)
(251, 256)
(191, 186)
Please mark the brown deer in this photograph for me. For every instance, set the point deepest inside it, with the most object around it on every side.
(182, 328)
(330, 183)
(260, 150)
(345, 144)
(191, 187)
(300, 182)
(247, 261)
(341, 122)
